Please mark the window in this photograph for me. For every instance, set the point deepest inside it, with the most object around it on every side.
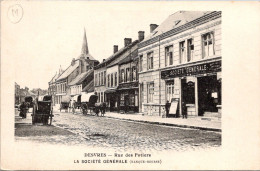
(112, 81)
(105, 77)
(116, 79)
(108, 80)
(134, 73)
(95, 79)
(142, 92)
(169, 55)
(170, 90)
(122, 75)
(99, 79)
(127, 75)
(102, 78)
(190, 50)
(182, 52)
(102, 96)
(150, 92)
(207, 45)
(150, 60)
(141, 63)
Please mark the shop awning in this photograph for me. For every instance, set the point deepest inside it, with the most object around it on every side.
(110, 91)
(75, 97)
(65, 98)
(85, 97)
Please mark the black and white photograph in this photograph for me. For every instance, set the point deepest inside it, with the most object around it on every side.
(128, 85)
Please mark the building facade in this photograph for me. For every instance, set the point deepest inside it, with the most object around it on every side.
(107, 77)
(17, 98)
(181, 61)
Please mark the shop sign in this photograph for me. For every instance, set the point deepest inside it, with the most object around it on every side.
(128, 85)
(192, 70)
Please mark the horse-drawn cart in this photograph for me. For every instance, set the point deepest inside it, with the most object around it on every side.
(43, 111)
(65, 102)
(89, 103)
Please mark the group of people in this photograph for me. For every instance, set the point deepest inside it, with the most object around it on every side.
(72, 106)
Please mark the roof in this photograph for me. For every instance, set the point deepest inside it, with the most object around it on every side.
(54, 78)
(80, 78)
(89, 87)
(115, 55)
(175, 20)
(87, 56)
(129, 58)
(68, 71)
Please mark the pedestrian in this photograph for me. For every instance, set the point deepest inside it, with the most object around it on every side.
(73, 106)
(184, 110)
(167, 108)
(70, 106)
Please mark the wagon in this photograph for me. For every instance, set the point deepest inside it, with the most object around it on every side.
(43, 111)
(65, 101)
(89, 103)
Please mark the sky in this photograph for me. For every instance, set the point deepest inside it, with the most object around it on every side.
(50, 34)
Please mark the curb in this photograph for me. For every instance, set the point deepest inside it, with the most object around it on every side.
(169, 124)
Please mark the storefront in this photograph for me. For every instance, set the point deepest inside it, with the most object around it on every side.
(128, 97)
(112, 99)
(198, 87)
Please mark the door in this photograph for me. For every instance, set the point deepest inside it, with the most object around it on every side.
(207, 94)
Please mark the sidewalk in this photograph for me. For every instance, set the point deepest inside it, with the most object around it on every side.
(192, 122)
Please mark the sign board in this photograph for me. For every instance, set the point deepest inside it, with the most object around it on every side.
(174, 106)
(192, 70)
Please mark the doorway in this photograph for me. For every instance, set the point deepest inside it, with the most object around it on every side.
(208, 94)
(187, 94)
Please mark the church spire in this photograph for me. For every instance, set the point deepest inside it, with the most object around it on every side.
(84, 49)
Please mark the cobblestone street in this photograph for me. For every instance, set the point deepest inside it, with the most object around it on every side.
(125, 135)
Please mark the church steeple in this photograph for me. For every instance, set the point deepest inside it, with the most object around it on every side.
(84, 49)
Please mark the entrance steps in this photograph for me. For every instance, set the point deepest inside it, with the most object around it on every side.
(211, 116)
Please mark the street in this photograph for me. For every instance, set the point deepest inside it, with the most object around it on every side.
(121, 135)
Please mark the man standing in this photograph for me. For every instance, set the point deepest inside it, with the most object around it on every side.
(167, 108)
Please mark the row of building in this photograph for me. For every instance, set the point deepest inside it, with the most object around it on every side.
(180, 60)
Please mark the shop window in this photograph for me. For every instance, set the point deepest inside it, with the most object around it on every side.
(170, 90)
(108, 80)
(102, 78)
(105, 77)
(127, 74)
(141, 63)
(207, 44)
(169, 55)
(134, 73)
(190, 50)
(122, 75)
(182, 52)
(116, 79)
(112, 80)
(131, 99)
(150, 88)
(150, 60)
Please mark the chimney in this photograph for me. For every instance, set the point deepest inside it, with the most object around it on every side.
(115, 48)
(140, 35)
(153, 27)
(128, 41)
(73, 61)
